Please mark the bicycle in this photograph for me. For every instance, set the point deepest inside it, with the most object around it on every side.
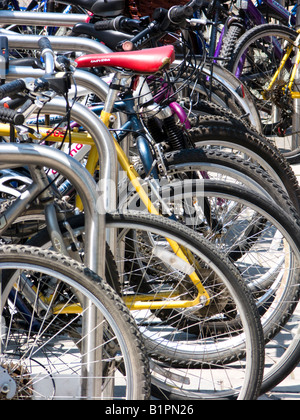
(257, 142)
(50, 310)
(245, 391)
(233, 88)
(218, 193)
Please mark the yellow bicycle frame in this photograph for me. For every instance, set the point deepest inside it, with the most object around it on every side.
(294, 95)
(141, 301)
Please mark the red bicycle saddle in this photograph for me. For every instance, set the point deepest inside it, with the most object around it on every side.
(143, 61)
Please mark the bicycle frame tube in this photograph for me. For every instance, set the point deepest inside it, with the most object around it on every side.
(281, 11)
(282, 64)
(254, 14)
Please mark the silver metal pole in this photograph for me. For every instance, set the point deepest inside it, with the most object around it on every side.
(41, 19)
(84, 79)
(96, 246)
(59, 43)
(14, 155)
(103, 141)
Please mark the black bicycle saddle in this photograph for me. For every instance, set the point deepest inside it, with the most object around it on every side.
(103, 8)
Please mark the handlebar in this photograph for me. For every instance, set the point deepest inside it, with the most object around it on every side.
(47, 54)
(44, 44)
(162, 20)
(12, 88)
(11, 116)
(179, 13)
(120, 23)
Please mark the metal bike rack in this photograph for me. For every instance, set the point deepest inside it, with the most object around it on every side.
(41, 19)
(15, 155)
(97, 201)
(108, 174)
(59, 43)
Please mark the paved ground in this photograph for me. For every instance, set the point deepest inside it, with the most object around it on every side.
(289, 389)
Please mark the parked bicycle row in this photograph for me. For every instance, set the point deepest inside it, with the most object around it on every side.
(150, 230)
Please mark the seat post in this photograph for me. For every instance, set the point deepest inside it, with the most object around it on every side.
(119, 80)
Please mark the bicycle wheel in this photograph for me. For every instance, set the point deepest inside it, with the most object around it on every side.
(221, 133)
(65, 334)
(255, 233)
(221, 87)
(199, 338)
(226, 167)
(282, 353)
(256, 58)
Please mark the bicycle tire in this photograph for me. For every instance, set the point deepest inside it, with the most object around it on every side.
(262, 59)
(233, 34)
(250, 249)
(172, 230)
(261, 30)
(122, 352)
(222, 133)
(158, 349)
(244, 172)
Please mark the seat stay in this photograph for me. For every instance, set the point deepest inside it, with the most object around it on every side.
(146, 61)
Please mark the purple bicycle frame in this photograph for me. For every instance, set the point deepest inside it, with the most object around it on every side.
(255, 16)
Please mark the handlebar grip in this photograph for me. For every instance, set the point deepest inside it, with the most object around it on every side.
(12, 88)
(11, 116)
(104, 25)
(107, 25)
(179, 13)
(44, 43)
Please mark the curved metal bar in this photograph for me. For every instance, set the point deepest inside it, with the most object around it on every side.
(59, 43)
(84, 79)
(8, 17)
(98, 131)
(14, 155)
(103, 141)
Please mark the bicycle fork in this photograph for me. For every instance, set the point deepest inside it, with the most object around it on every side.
(203, 297)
